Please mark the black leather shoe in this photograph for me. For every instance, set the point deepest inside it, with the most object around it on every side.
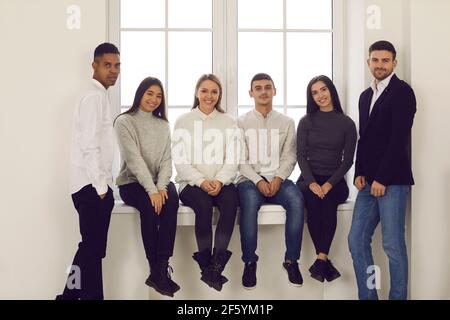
(249, 276)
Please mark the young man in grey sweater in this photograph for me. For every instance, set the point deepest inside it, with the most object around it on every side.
(264, 178)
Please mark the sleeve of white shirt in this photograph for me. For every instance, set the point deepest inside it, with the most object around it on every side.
(183, 163)
(90, 124)
(130, 153)
(288, 157)
(245, 168)
(165, 167)
(228, 172)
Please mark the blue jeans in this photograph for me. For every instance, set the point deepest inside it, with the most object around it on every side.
(390, 210)
(251, 200)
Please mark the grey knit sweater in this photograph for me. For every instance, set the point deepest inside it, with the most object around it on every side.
(326, 144)
(145, 150)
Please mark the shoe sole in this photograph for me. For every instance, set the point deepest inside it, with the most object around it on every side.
(329, 279)
(317, 277)
(298, 285)
(154, 286)
(175, 288)
(217, 288)
(249, 288)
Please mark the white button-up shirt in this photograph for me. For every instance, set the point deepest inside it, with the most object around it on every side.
(378, 89)
(92, 141)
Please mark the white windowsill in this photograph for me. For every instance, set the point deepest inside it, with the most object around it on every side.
(268, 214)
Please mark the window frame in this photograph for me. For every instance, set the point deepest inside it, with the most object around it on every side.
(225, 52)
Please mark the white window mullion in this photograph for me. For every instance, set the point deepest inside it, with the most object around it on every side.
(113, 36)
(166, 60)
(338, 50)
(232, 56)
(219, 35)
(284, 59)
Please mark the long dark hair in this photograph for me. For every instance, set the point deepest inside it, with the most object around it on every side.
(214, 79)
(159, 112)
(311, 105)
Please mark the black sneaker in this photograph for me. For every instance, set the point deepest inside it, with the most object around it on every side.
(294, 275)
(318, 270)
(331, 273)
(249, 276)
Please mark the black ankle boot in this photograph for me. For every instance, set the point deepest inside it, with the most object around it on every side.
(159, 279)
(331, 273)
(173, 284)
(203, 259)
(213, 275)
(318, 270)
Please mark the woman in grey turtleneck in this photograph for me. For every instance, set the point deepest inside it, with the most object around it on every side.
(143, 135)
(326, 140)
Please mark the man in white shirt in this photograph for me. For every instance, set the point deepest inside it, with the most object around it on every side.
(270, 158)
(91, 176)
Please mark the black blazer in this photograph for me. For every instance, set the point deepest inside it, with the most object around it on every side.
(384, 146)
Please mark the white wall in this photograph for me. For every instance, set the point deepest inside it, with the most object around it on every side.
(430, 67)
(44, 66)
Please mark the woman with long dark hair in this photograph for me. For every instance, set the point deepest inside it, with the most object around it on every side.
(326, 140)
(143, 136)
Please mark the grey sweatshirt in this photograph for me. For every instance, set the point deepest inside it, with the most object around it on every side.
(326, 144)
(145, 150)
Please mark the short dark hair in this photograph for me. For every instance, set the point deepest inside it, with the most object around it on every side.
(383, 45)
(311, 105)
(261, 76)
(105, 48)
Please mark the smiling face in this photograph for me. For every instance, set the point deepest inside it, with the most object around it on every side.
(322, 96)
(151, 99)
(381, 64)
(208, 95)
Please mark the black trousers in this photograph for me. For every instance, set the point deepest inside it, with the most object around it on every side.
(227, 202)
(322, 213)
(94, 217)
(158, 231)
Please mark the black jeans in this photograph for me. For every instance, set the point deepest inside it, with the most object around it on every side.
(227, 201)
(322, 213)
(158, 231)
(94, 216)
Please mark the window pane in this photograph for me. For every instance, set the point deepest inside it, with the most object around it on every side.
(142, 55)
(190, 56)
(307, 14)
(267, 14)
(174, 113)
(296, 114)
(190, 14)
(260, 52)
(243, 110)
(142, 14)
(308, 55)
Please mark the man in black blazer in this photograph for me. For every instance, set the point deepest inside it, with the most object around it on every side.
(383, 174)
